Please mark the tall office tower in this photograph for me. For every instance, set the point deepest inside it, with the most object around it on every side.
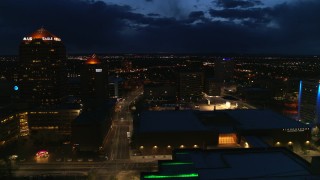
(309, 101)
(190, 85)
(224, 70)
(94, 82)
(212, 87)
(41, 75)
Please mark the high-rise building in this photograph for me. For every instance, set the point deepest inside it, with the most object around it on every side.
(190, 85)
(41, 59)
(309, 101)
(115, 87)
(224, 70)
(94, 82)
(212, 87)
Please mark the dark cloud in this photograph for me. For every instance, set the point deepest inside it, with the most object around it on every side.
(149, 0)
(82, 25)
(255, 13)
(153, 14)
(95, 26)
(196, 15)
(238, 3)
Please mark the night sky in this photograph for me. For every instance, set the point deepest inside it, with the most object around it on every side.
(167, 26)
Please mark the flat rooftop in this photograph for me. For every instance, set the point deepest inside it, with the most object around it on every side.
(97, 115)
(263, 119)
(254, 163)
(169, 121)
(221, 120)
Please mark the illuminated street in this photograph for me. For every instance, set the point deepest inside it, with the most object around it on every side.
(110, 168)
(116, 143)
(116, 146)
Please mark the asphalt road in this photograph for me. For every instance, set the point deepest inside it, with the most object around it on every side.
(116, 143)
(83, 168)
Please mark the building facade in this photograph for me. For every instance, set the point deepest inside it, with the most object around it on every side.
(94, 82)
(158, 132)
(13, 125)
(190, 85)
(41, 71)
(224, 70)
(57, 121)
(309, 101)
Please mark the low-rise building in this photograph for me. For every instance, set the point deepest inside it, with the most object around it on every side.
(158, 132)
(253, 163)
(90, 128)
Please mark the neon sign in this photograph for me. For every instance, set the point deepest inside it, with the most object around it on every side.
(27, 38)
(43, 38)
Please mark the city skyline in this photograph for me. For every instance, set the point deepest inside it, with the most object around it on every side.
(152, 26)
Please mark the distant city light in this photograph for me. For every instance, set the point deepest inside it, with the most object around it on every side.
(16, 88)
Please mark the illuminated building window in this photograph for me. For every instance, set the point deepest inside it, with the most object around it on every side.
(227, 138)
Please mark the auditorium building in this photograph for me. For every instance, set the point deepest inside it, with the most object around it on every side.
(159, 132)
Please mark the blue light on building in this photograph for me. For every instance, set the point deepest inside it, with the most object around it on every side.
(299, 100)
(16, 88)
(318, 105)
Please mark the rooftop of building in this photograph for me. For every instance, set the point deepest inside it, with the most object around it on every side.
(262, 119)
(58, 107)
(93, 60)
(7, 110)
(96, 115)
(159, 84)
(169, 121)
(43, 34)
(224, 121)
(252, 163)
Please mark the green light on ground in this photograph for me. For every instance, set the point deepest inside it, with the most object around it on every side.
(175, 163)
(182, 153)
(191, 175)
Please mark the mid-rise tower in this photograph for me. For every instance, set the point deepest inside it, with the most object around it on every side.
(94, 82)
